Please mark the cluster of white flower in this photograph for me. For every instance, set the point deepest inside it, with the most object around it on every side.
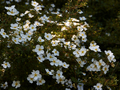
(96, 66)
(36, 5)
(55, 61)
(15, 84)
(94, 47)
(49, 72)
(9, 1)
(36, 76)
(80, 52)
(60, 78)
(23, 33)
(110, 56)
(12, 10)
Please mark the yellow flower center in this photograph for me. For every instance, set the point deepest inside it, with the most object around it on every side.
(3, 33)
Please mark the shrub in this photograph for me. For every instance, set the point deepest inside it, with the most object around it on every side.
(46, 48)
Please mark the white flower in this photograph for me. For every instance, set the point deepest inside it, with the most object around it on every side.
(76, 24)
(82, 18)
(32, 27)
(40, 81)
(80, 62)
(19, 38)
(105, 68)
(63, 28)
(84, 27)
(37, 8)
(22, 14)
(94, 47)
(30, 78)
(54, 42)
(67, 43)
(16, 33)
(98, 86)
(84, 39)
(59, 74)
(108, 53)
(44, 18)
(54, 61)
(14, 26)
(50, 56)
(80, 12)
(36, 23)
(39, 49)
(109, 88)
(10, 8)
(40, 58)
(24, 37)
(82, 51)
(34, 3)
(18, 19)
(99, 63)
(13, 12)
(61, 80)
(26, 27)
(65, 65)
(97, 49)
(20, 29)
(36, 75)
(59, 24)
(51, 9)
(7, 2)
(6, 64)
(82, 34)
(56, 53)
(26, 12)
(3, 33)
(49, 72)
(76, 53)
(75, 39)
(74, 20)
(4, 86)
(79, 28)
(48, 36)
(53, 5)
(72, 46)
(69, 83)
(16, 84)
(15, 40)
(59, 62)
(111, 58)
(30, 15)
(18, 0)
(40, 39)
(30, 33)
(86, 24)
(80, 86)
(61, 39)
(67, 23)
